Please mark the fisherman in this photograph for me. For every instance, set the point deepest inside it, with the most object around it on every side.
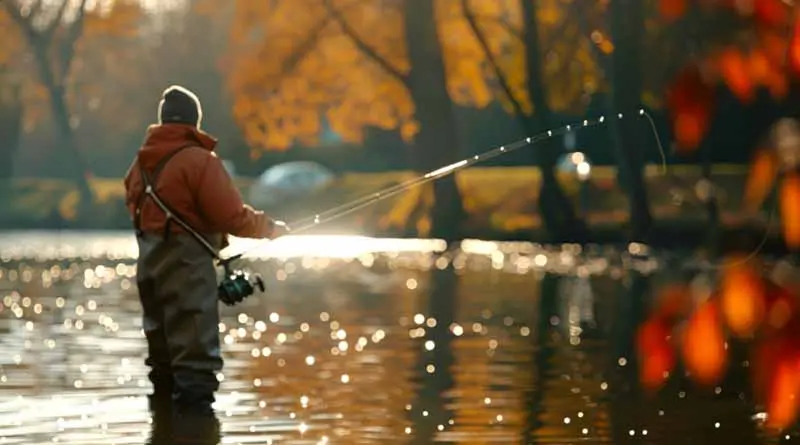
(175, 273)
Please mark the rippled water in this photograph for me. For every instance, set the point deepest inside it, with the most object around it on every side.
(359, 341)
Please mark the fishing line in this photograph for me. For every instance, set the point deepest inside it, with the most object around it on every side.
(307, 223)
(339, 211)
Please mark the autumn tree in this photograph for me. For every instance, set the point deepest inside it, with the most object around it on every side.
(10, 107)
(516, 37)
(353, 65)
(54, 34)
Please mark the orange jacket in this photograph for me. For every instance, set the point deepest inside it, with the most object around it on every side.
(193, 183)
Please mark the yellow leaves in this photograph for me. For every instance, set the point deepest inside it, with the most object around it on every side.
(408, 130)
(292, 66)
(68, 206)
(314, 72)
(10, 38)
(470, 78)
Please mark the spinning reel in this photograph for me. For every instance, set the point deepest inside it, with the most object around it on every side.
(236, 284)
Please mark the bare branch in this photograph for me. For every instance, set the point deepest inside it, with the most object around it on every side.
(305, 47)
(48, 33)
(36, 8)
(502, 21)
(498, 72)
(69, 43)
(362, 45)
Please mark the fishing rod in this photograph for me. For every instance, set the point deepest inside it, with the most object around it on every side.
(309, 222)
(237, 285)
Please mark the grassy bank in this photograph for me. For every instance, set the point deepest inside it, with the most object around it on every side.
(498, 200)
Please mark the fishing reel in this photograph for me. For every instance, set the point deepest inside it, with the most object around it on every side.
(236, 284)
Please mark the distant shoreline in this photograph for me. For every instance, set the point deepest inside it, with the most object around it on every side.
(501, 204)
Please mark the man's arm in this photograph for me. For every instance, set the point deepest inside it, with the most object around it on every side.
(222, 205)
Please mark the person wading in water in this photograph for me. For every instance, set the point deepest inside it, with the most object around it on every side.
(175, 274)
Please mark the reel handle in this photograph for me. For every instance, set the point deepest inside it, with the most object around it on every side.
(258, 283)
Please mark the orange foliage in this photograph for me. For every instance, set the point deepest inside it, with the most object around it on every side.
(742, 293)
(690, 101)
(776, 375)
(317, 72)
(781, 307)
(11, 38)
(672, 9)
(790, 209)
(762, 65)
(733, 68)
(746, 299)
(784, 391)
(703, 344)
(794, 48)
(655, 352)
(764, 169)
(770, 12)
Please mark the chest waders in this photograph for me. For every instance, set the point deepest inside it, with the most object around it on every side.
(179, 293)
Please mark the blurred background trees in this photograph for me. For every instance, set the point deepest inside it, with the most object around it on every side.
(363, 85)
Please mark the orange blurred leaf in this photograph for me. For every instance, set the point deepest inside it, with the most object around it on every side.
(703, 345)
(733, 68)
(672, 9)
(790, 209)
(761, 178)
(655, 353)
(771, 12)
(742, 297)
(690, 101)
(794, 49)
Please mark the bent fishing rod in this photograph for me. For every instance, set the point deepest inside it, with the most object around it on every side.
(309, 222)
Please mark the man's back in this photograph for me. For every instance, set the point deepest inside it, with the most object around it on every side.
(187, 175)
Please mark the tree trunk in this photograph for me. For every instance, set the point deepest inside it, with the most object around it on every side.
(60, 110)
(10, 135)
(627, 25)
(432, 387)
(436, 143)
(557, 211)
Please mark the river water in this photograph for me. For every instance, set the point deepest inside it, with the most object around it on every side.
(362, 341)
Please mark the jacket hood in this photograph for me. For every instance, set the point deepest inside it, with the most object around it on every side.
(162, 140)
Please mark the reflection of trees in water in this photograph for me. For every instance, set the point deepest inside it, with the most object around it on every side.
(353, 345)
(434, 370)
(335, 362)
(564, 395)
(482, 324)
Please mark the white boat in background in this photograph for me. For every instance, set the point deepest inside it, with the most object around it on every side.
(288, 181)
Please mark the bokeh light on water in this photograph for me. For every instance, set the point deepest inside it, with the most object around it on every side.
(363, 341)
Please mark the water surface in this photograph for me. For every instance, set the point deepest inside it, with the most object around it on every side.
(361, 341)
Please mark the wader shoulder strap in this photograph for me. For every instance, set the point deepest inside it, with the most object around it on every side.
(149, 183)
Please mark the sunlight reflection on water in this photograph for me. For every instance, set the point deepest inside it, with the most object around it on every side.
(356, 341)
